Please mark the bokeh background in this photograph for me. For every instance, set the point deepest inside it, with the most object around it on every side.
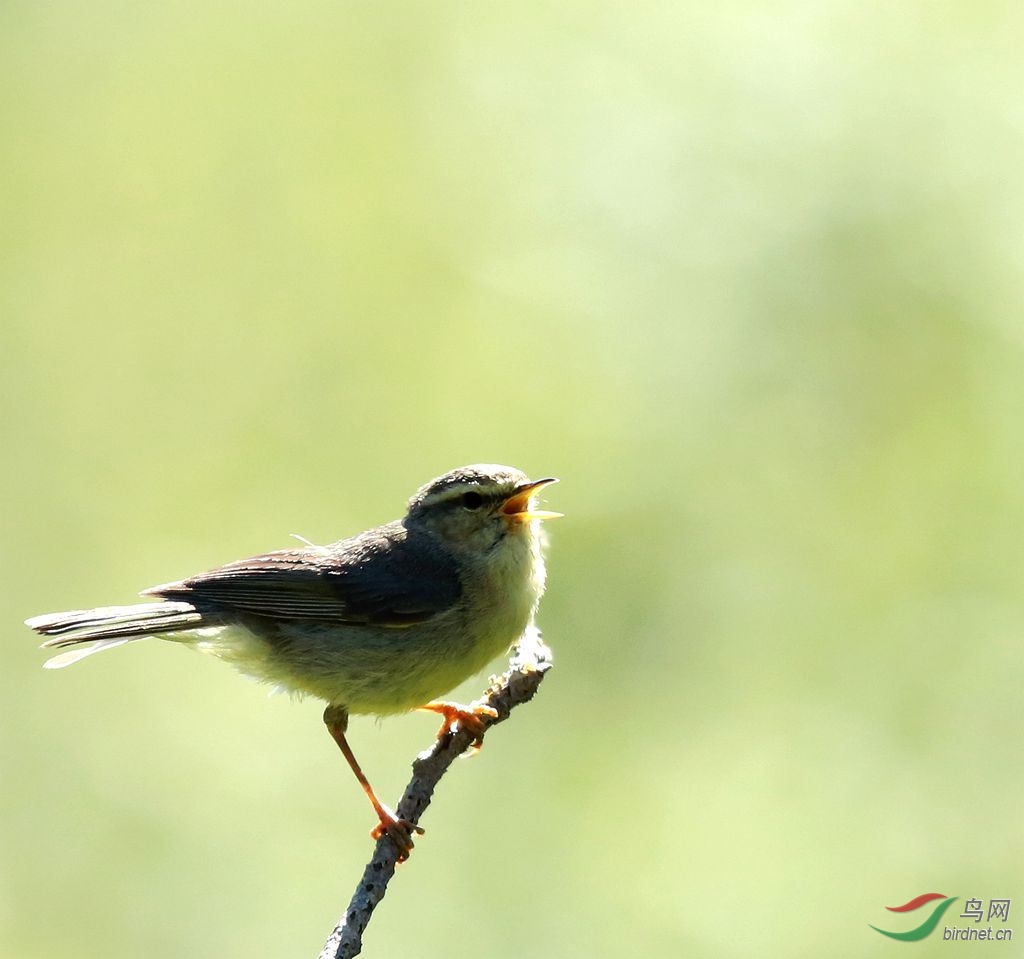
(747, 277)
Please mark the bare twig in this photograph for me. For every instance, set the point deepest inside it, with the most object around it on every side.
(531, 659)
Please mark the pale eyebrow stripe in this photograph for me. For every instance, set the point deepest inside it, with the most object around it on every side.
(454, 492)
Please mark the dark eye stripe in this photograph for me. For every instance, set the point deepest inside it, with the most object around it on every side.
(479, 498)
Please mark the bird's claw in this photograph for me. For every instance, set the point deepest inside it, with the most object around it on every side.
(471, 718)
(399, 831)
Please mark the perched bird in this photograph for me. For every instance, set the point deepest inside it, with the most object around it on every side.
(378, 623)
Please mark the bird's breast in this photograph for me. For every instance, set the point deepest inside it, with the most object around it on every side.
(501, 593)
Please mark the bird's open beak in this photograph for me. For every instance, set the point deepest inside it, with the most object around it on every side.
(517, 506)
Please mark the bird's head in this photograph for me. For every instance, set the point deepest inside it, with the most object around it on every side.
(475, 507)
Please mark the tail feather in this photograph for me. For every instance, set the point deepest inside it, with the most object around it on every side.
(110, 626)
(74, 655)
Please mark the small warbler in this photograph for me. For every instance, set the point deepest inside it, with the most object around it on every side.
(378, 623)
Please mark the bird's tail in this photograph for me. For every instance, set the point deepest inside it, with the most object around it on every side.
(110, 626)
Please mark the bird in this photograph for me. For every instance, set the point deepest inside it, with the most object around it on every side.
(379, 623)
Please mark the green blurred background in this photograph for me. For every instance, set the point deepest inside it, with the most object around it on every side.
(748, 279)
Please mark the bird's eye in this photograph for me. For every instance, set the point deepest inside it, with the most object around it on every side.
(472, 501)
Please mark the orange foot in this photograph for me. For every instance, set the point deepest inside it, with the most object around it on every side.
(399, 831)
(464, 717)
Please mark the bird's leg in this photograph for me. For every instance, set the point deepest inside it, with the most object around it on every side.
(466, 717)
(399, 831)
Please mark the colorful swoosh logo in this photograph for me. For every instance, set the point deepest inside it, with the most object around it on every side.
(928, 925)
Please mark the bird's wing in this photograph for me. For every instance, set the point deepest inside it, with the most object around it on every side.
(388, 576)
